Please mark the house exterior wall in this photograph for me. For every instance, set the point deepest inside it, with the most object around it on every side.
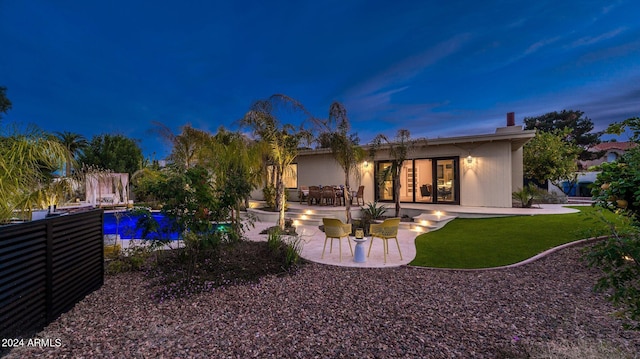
(488, 180)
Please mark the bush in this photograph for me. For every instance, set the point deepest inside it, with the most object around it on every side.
(527, 195)
(617, 187)
(130, 260)
(619, 258)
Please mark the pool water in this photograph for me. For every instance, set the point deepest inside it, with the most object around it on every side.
(126, 226)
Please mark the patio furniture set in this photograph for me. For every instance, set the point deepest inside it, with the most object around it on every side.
(336, 229)
(330, 195)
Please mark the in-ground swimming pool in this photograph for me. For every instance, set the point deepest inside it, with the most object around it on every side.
(126, 226)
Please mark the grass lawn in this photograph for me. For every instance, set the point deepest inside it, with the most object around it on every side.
(492, 242)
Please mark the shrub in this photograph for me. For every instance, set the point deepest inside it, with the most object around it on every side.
(619, 258)
(128, 260)
(288, 247)
(527, 195)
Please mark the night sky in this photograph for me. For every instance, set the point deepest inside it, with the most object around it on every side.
(435, 68)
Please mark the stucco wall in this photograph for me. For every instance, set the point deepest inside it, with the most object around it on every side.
(494, 172)
(487, 181)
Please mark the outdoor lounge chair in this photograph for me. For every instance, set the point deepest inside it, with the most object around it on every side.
(386, 230)
(334, 228)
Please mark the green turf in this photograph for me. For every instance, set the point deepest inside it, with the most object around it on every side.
(493, 242)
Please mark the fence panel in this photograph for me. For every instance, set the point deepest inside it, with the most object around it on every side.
(46, 267)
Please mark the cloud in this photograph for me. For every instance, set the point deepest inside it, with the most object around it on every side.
(540, 44)
(590, 40)
(375, 92)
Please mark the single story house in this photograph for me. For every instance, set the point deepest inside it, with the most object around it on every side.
(478, 170)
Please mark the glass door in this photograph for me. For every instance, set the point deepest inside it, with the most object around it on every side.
(446, 180)
(423, 188)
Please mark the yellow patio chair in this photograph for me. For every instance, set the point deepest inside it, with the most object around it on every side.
(386, 230)
(334, 228)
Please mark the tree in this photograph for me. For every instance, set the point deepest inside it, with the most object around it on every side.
(237, 166)
(617, 186)
(23, 156)
(344, 147)
(283, 140)
(74, 143)
(113, 152)
(186, 147)
(5, 104)
(399, 151)
(579, 130)
(548, 157)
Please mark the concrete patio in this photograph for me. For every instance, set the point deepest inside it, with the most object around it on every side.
(313, 238)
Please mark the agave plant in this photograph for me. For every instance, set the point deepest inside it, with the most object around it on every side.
(372, 211)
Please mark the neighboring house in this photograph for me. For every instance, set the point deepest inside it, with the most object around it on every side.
(478, 170)
(581, 187)
(612, 151)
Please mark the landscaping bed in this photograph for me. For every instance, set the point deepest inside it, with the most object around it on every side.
(328, 311)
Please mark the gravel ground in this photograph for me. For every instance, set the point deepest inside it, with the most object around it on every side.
(328, 312)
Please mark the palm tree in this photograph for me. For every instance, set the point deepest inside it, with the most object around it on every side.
(74, 143)
(236, 162)
(399, 151)
(344, 147)
(23, 156)
(283, 140)
(187, 146)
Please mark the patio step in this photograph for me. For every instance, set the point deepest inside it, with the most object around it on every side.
(313, 217)
(432, 221)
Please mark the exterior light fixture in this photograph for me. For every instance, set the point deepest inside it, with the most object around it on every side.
(469, 159)
(366, 164)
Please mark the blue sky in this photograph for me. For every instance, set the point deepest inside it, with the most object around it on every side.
(435, 68)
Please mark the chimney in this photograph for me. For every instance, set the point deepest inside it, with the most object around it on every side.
(511, 118)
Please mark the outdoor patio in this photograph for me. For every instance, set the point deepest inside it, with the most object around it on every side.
(313, 238)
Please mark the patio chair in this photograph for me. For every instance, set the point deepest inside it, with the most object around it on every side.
(386, 230)
(359, 195)
(329, 195)
(314, 194)
(334, 228)
(303, 193)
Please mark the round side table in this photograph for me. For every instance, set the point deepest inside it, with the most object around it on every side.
(358, 255)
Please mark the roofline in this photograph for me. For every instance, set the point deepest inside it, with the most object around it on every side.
(517, 139)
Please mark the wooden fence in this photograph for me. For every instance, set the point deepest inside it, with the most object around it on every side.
(46, 267)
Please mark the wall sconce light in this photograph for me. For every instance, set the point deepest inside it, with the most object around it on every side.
(469, 159)
(366, 164)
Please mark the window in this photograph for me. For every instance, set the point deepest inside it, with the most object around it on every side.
(290, 176)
